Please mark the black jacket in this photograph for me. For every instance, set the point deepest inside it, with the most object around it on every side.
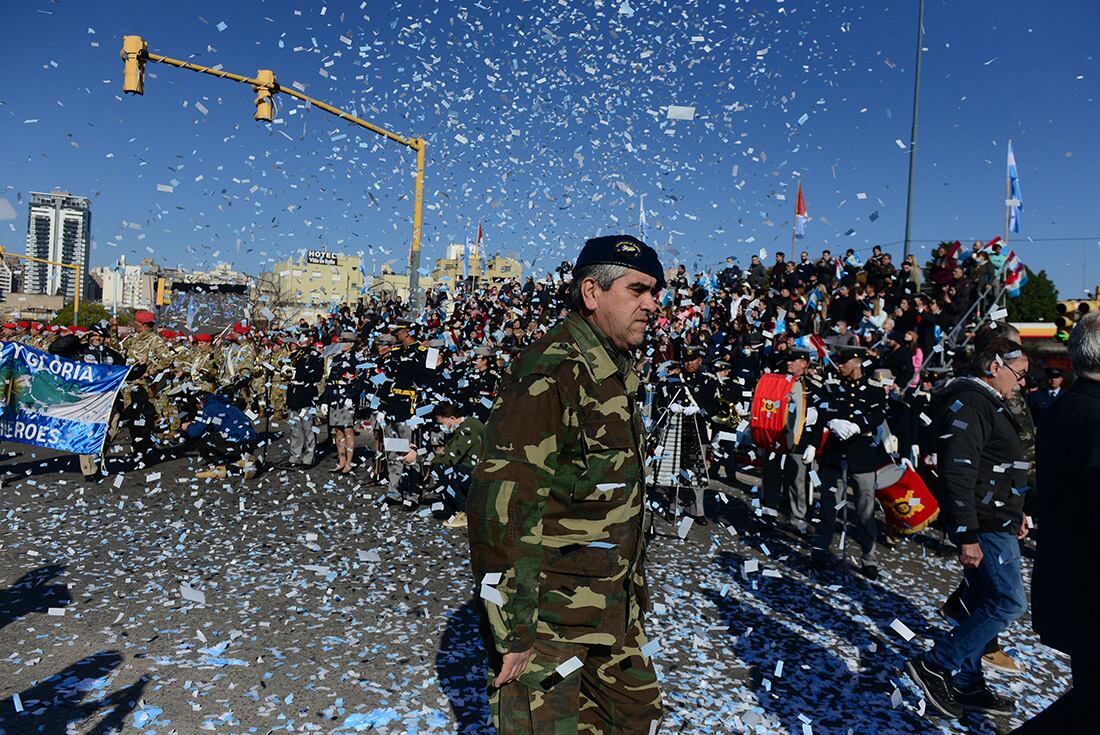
(900, 363)
(981, 465)
(864, 405)
(309, 371)
(1068, 458)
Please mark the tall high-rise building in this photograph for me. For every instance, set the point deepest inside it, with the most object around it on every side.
(59, 228)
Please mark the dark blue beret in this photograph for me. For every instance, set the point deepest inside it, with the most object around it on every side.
(622, 250)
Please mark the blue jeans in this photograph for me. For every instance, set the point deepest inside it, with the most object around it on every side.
(995, 597)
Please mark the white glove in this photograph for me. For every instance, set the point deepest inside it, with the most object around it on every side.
(843, 429)
(691, 410)
(676, 408)
(809, 454)
(916, 455)
(908, 464)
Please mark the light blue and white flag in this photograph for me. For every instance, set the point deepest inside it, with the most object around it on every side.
(52, 402)
(1015, 200)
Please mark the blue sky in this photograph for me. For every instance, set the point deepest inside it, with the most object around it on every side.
(547, 122)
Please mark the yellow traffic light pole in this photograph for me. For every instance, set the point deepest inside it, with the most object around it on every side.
(135, 52)
(75, 266)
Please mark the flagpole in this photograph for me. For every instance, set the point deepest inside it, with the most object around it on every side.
(913, 133)
(1008, 196)
(794, 225)
(794, 221)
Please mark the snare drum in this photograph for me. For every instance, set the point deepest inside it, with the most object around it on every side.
(778, 412)
(909, 504)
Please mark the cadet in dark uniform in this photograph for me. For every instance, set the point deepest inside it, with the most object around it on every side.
(853, 411)
(406, 366)
(787, 473)
(693, 394)
(481, 384)
(556, 513)
(301, 401)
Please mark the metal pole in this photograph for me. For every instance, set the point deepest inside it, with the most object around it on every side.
(76, 297)
(415, 299)
(794, 222)
(1008, 198)
(913, 132)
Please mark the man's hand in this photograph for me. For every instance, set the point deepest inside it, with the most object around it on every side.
(409, 457)
(1025, 528)
(971, 556)
(809, 454)
(843, 429)
(513, 666)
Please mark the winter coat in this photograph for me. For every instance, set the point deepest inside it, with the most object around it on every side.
(1067, 555)
(981, 465)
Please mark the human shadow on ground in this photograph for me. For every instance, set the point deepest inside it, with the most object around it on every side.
(31, 594)
(57, 704)
(462, 673)
(841, 660)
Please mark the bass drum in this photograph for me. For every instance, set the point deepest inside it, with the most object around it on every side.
(778, 412)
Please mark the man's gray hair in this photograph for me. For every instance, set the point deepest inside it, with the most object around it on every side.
(1084, 344)
(604, 274)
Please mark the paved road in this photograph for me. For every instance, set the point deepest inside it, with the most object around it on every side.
(298, 603)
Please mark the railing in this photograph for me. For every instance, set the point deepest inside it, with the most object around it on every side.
(983, 306)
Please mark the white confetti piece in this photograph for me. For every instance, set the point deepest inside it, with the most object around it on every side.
(902, 629)
(678, 112)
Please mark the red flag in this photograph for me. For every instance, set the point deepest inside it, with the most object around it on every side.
(818, 343)
(954, 249)
(800, 214)
(478, 243)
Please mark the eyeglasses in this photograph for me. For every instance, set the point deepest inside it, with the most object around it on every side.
(1018, 376)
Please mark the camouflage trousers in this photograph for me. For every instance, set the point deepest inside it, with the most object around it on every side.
(614, 692)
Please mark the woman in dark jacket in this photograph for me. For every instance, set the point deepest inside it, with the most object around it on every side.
(983, 478)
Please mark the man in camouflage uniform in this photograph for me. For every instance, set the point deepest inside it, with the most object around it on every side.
(201, 364)
(451, 464)
(151, 356)
(556, 512)
(239, 365)
(281, 360)
(40, 338)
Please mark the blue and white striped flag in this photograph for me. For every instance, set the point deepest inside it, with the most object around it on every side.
(1015, 201)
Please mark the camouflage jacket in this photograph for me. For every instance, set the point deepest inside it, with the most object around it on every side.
(556, 503)
(463, 447)
(149, 348)
(238, 360)
(201, 367)
(1018, 405)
